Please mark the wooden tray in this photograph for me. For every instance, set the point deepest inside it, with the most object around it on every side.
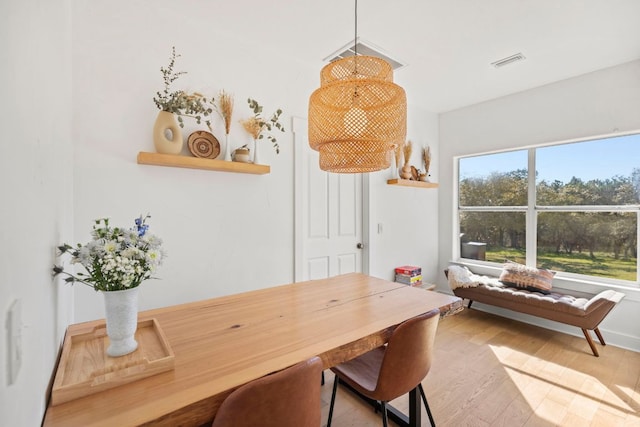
(86, 369)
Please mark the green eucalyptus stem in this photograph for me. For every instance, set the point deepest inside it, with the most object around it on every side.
(179, 102)
(71, 278)
(266, 126)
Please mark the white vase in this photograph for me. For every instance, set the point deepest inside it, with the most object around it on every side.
(166, 123)
(227, 148)
(121, 312)
(394, 170)
(256, 159)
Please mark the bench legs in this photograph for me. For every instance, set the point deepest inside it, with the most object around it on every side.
(586, 335)
(597, 331)
(590, 340)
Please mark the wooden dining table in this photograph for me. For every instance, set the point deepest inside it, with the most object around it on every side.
(222, 343)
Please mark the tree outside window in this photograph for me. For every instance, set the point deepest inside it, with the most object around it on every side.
(587, 204)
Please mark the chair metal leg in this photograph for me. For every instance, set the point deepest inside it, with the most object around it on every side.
(426, 405)
(384, 414)
(333, 399)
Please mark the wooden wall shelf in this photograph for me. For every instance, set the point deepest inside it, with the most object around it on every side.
(179, 161)
(410, 183)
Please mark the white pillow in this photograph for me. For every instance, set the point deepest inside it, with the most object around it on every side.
(460, 277)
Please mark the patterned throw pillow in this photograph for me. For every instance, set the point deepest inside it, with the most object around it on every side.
(529, 278)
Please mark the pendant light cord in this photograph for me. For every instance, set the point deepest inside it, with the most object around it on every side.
(355, 45)
(355, 37)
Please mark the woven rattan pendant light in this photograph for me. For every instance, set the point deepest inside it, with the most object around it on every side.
(358, 115)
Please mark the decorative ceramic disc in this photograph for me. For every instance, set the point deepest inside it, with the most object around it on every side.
(203, 144)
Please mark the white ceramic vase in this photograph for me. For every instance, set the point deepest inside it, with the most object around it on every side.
(393, 170)
(227, 148)
(121, 312)
(256, 159)
(166, 123)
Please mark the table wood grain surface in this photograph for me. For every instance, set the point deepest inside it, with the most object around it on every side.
(223, 343)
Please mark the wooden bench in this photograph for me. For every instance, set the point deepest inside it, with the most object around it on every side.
(584, 313)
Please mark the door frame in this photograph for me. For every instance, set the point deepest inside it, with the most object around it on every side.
(300, 143)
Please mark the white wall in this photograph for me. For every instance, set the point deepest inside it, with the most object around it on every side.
(408, 215)
(36, 209)
(224, 233)
(69, 157)
(598, 103)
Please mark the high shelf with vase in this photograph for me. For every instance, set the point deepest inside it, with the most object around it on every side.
(411, 183)
(177, 161)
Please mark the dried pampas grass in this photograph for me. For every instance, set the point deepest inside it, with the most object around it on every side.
(226, 109)
(426, 155)
(407, 150)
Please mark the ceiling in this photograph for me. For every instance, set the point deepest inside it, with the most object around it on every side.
(449, 45)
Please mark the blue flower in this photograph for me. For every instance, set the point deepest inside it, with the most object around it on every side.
(141, 226)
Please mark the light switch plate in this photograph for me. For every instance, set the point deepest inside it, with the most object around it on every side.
(14, 336)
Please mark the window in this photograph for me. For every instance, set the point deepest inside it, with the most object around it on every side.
(573, 207)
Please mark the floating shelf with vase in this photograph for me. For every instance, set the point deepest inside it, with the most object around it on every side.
(177, 161)
(412, 183)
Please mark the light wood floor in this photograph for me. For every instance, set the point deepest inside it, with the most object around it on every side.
(492, 371)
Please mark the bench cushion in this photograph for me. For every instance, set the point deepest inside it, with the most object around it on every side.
(551, 301)
(577, 311)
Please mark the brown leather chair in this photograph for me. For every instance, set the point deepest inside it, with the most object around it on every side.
(391, 371)
(288, 398)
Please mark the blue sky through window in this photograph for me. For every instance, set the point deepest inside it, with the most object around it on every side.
(597, 159)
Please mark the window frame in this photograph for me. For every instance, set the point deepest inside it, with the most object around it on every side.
(532, 210)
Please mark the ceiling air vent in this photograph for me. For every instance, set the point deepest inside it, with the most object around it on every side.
(364, 48)
(508, 60)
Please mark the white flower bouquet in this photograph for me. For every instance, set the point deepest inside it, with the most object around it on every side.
(116, 258)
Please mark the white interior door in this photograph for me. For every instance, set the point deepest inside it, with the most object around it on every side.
(329, 216)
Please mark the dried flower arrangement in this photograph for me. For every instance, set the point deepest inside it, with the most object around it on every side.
(257, 126)
(407, 150)
(252, 126)
(179, 102)
(225, 109)
(426, 156)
